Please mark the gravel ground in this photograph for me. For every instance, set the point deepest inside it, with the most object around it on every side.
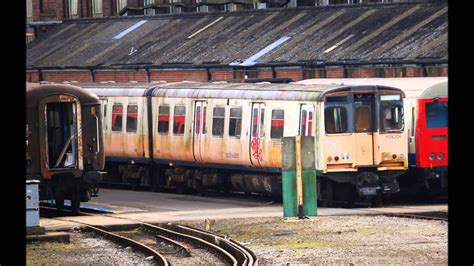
(322, 240)
(340, 240)
(84, 249)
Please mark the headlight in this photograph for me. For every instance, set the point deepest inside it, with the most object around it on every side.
(401, 156)
(329, 159)
(432, 156)
(440, 156)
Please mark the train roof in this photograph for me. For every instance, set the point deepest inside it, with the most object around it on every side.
(413, 87)
(267, 91)
(437, 90)
(35, 92)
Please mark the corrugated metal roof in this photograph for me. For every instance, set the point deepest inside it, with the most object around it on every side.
(369, 33)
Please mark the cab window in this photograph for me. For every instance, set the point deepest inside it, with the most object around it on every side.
(437, 115)
(391, 112)
(335, 119)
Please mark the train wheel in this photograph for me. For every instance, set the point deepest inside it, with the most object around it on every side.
(94, 189)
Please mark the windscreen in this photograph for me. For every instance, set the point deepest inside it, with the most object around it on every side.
(391, 108)
(437, 115)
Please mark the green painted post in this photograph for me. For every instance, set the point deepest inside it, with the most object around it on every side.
(288, 173)
(309, 193)
(309, 177)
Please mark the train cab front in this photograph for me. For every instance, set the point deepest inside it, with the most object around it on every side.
(432, 143)
(365, 142)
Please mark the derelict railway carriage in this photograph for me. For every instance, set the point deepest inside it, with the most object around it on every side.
(64, 142)
(228, 136)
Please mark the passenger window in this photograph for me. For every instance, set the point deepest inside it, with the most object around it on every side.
(335, 119)
(179, 120)
(235, 122)
(163, 119)
(117, 117)
(132, 115)
(218, 121)
(278, 123)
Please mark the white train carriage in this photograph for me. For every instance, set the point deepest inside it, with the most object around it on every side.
(225, 135)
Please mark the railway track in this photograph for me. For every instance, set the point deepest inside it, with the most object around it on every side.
(174, 244)
(424, 216)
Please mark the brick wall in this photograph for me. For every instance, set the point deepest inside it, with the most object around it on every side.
(362, 72)
(32, 76)
(414, 72)
(176, 75)
(294, 73)
(265, 73)
(69, 75)
(52, 10)
(334, 72)
(437, 71)
(221, 74)
(121, 76)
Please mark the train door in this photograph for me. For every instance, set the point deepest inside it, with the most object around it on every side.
(257, 133)
(306, 120)
(364, 117)
(60, 134)
(103, 104)
(200, 110)
(116, 142)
